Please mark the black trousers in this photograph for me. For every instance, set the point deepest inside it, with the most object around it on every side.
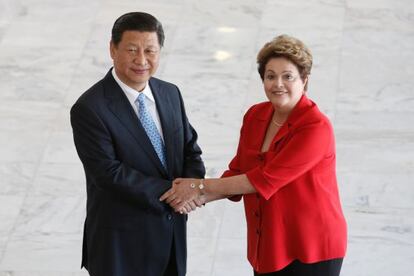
(297, 268)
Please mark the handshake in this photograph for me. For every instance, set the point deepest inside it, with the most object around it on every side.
(185, 195)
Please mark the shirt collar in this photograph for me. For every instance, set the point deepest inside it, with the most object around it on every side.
(301, 107)
(130, 92)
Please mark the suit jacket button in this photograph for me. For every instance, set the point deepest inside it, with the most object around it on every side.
(169, 217)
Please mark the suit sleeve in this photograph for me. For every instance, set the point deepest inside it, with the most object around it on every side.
(306, 148)
(96, 151)
(193, 166)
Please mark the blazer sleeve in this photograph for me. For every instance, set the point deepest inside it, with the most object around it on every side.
(305, 149)
(96, 151)
(193, 166)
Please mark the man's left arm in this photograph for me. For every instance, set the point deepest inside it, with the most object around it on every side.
(193, 164)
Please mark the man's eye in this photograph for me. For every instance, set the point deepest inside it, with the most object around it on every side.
(270, 77)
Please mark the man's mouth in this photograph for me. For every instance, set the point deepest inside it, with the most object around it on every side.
(139, 71)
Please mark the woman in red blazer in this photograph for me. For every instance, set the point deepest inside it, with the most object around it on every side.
(285, 170)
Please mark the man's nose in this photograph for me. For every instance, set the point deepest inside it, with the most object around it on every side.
(140, 58)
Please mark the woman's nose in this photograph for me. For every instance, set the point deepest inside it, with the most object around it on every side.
(279, 82)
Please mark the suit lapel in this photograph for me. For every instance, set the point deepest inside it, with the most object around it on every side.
(165, 111)
(119, 105)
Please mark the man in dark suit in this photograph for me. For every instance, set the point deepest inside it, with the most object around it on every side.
(133, 138)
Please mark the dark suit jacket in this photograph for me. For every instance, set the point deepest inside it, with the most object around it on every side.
(128, 231)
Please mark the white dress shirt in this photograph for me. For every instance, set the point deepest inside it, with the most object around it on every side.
(132, 96)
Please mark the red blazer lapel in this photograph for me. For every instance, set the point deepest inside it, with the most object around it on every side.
(263, 116)
(261, 121)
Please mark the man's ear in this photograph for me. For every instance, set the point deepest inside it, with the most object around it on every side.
(112, 49)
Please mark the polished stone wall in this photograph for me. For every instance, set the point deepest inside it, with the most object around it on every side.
(363, 79)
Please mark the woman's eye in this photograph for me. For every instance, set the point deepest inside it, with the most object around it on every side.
(288, 77)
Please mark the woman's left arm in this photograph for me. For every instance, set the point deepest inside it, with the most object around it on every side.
(304, 150)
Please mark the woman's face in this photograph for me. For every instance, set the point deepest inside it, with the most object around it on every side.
(283, 84)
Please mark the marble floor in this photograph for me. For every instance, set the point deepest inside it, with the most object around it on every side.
(363, 78)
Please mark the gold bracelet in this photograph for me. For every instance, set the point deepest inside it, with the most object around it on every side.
(201, 187)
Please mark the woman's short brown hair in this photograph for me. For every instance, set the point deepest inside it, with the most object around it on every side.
(290, 48)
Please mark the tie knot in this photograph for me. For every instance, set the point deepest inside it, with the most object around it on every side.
(141, 98)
